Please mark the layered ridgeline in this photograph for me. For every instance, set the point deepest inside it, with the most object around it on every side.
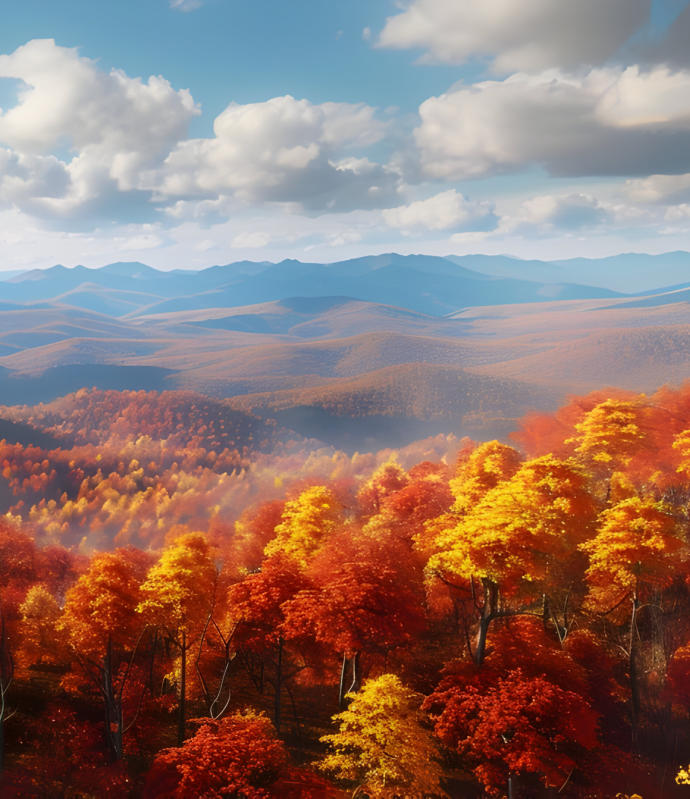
(361, 354)
(494, 618)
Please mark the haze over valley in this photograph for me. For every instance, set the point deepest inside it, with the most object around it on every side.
(373, 352)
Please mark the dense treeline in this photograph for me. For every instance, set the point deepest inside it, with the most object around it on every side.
(130, 465)
(513, 621)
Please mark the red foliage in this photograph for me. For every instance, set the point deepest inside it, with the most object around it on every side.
(363, 599)
(239, 755)
(517, 725)
(63, 756)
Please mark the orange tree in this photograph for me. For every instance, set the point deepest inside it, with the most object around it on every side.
(102, 629)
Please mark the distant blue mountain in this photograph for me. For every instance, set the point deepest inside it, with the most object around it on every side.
(628, 273)
(423, 283)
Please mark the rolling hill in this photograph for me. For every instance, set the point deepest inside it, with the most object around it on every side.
(449, 348)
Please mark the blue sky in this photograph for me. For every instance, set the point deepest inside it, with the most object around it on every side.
(186, 133)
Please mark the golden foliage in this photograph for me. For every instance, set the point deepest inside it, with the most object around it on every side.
(305, 523)
(383, 743)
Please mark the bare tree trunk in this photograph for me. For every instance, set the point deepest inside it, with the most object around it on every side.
(113, 708)
(278, 685)
(488, 614)
(634, 682)
(183, 691)
(356, 682)
(341, 689)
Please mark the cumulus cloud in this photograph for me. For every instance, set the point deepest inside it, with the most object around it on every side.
(112, 126)
(82, 144)
(447, 210)
(283, 150)
(609, 121)
(570, 212)
(661, 189)
(516, 34)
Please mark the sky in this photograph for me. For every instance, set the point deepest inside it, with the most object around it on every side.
(187, 133)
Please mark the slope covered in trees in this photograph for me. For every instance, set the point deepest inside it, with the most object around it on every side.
(511, 618)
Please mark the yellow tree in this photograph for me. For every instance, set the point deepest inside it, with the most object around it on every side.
(102, 628)
(610, 435)
(519, 540)
(637, 550)
(681, 444)
(40, 645)
(178, 596)
(487, 465)
(383, 743)
(306, 522)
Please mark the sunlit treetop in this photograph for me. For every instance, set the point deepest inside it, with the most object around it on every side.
(179, 589)
(486, 466)
(306, 521)
(611, 433)
(387, 479)
(638, 544)
(383, 743)
(681, 445)
(100, 607)
(521, 528)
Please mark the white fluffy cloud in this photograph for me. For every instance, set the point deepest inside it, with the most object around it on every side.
(517, 34)
(568, 213)
(283, 150)
(659, 189)
(85, 144)
(112, 126)
(447, 210)
(609, 121)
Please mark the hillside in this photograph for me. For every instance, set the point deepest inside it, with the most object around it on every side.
(346, 369)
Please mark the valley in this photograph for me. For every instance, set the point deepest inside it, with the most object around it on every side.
(450, 348)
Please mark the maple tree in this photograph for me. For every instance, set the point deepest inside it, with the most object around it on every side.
(484, 468)
(238, 755)
(361, 601)
(386, 480)
(611, 433)
(255, 605)
(517, 539)
(517, 725)
(102, 627)
(40, 643)
(637, 549)
(383, 743)
(305, 523)
(178, 595)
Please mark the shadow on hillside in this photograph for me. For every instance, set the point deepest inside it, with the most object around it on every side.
(23, 389)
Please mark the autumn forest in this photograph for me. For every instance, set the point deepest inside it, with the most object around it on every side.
(194, 605)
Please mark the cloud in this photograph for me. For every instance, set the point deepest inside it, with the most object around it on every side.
(186, 5)
(82, 145)
(112, 126)
(608, 121)
(662, 189)
(283, 150)
(516, 34)
(568, 213)
(448, 210)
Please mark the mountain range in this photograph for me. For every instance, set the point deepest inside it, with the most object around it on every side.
(368, 352)
(428, 284)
